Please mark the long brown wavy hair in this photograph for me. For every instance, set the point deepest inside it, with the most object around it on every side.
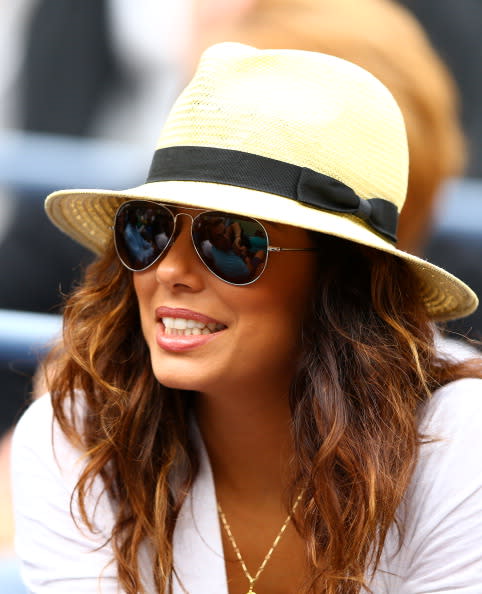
(367, 366)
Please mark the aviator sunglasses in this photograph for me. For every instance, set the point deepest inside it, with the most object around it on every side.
(234, 248)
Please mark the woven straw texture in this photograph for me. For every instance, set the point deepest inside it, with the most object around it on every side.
(304, 108)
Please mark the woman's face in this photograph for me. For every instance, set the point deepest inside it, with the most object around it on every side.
(236, 336)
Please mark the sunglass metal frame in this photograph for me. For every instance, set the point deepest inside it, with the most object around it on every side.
(269, 248)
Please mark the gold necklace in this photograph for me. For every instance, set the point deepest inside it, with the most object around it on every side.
(249, 577)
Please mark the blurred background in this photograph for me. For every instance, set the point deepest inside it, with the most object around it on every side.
(85, 86)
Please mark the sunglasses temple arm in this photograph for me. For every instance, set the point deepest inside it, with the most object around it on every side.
(272, 248)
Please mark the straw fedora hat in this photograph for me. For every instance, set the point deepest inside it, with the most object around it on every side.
(289, 136)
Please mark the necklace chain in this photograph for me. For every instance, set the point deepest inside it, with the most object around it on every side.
(267, 557)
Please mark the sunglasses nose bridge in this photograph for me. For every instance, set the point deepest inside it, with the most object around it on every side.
(176, 230)
(176, 216)
(183, 214)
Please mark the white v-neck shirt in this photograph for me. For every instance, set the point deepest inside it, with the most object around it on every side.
(441, 553)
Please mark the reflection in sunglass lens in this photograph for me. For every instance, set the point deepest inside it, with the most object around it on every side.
(234, 248)
(142, 232)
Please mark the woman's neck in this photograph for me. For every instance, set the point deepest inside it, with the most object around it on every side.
(248, 440)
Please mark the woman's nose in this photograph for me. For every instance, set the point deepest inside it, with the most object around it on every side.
(180, 265)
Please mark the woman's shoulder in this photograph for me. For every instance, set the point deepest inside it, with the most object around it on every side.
(461, 393)
(441, 548)
(45, 470)
(454, 406)
(451, 427)
(41, 450)
(34, 429)
(40, 412)
(448, 476)
(37, 417)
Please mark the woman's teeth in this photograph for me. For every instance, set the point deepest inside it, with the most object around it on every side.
(188, 327)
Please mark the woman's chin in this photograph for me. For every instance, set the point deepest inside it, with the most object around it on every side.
(179, 381)
(181, 372)
(175, 383)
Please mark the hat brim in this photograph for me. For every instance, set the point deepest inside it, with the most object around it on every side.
(87, 217)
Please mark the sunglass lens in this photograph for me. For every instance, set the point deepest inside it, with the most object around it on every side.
(234, 248)
(142, 231)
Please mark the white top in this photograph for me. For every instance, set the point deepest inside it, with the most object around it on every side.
(442, 550)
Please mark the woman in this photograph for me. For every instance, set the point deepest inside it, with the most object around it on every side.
(294, 431)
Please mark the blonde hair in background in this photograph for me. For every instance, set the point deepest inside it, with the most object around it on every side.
(386, 40)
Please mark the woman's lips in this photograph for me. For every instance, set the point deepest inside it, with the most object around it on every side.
(182, 329)
(177, 312)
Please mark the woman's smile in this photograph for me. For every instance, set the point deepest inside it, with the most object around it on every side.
(182, 329)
